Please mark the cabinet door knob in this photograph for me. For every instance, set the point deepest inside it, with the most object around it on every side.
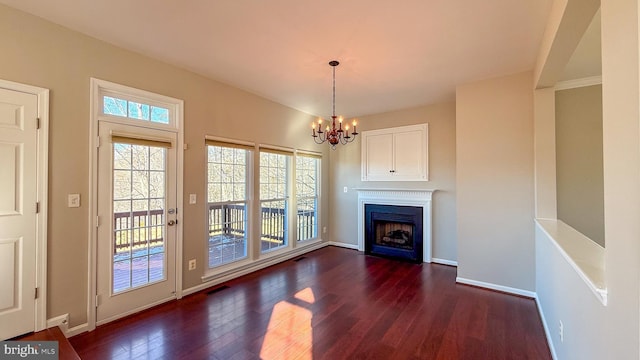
(392, 171)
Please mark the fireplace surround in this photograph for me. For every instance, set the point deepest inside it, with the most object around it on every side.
(402, 198)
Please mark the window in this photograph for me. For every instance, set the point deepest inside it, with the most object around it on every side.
(227, 199)
(274, 199)
(118, 106)
(307, 196)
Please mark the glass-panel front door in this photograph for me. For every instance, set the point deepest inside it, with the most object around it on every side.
(137, 212)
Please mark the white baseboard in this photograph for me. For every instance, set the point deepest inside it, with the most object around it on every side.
(253, 267)
(505, 289)
(77, 330)
(546, 329)
(344, 245)
(62, 321)
(444, 262)
(136, 310)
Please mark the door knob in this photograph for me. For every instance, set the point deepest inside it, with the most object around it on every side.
(171, 222)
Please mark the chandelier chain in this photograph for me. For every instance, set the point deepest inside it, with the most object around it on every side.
(334, 91)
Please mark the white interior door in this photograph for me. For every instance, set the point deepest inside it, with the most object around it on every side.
(136, 216)
(18, 196)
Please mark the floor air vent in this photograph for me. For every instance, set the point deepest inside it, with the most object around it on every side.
(218, 289)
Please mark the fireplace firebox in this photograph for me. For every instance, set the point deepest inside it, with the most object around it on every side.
(393, 231)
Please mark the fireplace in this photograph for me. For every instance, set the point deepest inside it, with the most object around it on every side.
(394, 231)
(398, 199)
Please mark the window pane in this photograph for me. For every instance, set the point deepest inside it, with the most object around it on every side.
(113, 106)
(159, 115)
(138, 111)
(273, 220)
(273, 176)
(138, 215)
(226, 186)
(307, 196)
(274, 204)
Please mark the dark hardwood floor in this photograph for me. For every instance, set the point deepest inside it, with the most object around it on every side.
(65, 350)
(332, 304)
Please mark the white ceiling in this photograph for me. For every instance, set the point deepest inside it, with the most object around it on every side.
(393, 54)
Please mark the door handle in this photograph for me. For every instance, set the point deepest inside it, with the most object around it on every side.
(172, 222)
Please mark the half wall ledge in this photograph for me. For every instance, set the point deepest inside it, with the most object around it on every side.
(583, 254)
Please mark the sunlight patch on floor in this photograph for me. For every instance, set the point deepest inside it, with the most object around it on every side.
(289, 334)
(305, 295)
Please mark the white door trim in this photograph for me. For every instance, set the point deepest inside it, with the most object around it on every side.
(94, 107)
(42, 195)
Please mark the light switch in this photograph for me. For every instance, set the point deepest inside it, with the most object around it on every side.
(192, 198)
(346, 189)
(73, 200)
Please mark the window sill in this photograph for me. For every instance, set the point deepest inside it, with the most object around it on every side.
(583, 254)
(247, 266)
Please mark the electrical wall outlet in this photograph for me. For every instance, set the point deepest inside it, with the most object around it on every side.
(345, 189)
(192, 264)
(324, 229)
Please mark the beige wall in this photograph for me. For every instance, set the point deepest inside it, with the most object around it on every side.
(579, 178)
(39, 53)
(345, 171)
(621, 159)
(611, 331)
(545, 152)
(494, 181)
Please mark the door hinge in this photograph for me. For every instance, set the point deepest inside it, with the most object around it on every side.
(37, 207)
(36, 294)
(97, 221)
(37, 123)
(98, 142)
(97, 300)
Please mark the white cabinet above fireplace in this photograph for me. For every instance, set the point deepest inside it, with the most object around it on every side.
(395, 154)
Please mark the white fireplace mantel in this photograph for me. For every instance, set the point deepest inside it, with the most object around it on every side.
(398, 197)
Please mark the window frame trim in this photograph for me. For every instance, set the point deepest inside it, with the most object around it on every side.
(105, 88)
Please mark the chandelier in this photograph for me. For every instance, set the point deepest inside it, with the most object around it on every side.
(334, 134)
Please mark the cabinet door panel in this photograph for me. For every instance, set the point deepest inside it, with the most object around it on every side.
(409, 155)
(379, 156)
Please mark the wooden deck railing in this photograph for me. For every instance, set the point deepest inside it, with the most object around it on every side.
(139, 227)
(229, 219)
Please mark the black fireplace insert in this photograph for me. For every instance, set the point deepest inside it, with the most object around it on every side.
(393, 231)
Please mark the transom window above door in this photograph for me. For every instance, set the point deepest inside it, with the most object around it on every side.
(135, 107)
(134, 110)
